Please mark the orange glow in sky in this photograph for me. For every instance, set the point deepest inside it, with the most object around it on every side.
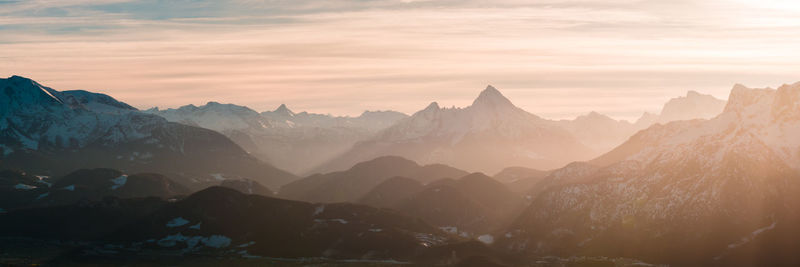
(557, 59)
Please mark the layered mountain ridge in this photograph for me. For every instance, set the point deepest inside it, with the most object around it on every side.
(294, 141)
(49, 132)
(709, 189)
(603, 133)
(208, 225)
(487, 136)
(20, 190)
(712, 191)
(505, 135)
(352, 184)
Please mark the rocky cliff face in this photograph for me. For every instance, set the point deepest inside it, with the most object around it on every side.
(691, 191)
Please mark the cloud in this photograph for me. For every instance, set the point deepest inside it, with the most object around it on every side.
(554, 58)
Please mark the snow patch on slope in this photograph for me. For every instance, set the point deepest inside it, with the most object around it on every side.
(486, 239)
(119, 181)
(218, 176)
(179, 221)
(42, 196)
(192, 242)
(753, 235)
(24, 187)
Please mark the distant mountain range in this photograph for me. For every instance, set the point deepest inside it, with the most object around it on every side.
(487, 136)
(603, 133)
(294, 141)
(49, 132)
(41, 124)
(693, 106)
(307, 143)
(493, 134)
(350, 185)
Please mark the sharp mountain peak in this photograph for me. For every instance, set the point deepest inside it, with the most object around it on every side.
(282, 109)
(491, 97)
(433, 106)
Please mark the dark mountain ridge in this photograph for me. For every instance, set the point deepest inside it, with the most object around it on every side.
(210, 223)
(52, 133)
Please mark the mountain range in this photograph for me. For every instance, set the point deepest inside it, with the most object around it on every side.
(469, 206)
(218, 222)
(20, 190)
(52, 133)
(487, 136)
(296, 142)
(352, 184)
(308, 143)
(493, 134)
(722, 191)
(704, 183)
(602, 133)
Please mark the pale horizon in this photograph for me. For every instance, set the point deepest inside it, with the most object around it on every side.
(466, 102)
(557, 59)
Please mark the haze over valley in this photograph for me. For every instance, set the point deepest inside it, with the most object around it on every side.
(399, 133)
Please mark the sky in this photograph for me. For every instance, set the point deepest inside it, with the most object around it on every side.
(554, 58)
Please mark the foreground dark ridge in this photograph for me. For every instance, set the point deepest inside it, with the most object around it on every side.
(220, 222)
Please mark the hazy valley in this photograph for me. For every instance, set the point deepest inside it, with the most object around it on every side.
(706, 182)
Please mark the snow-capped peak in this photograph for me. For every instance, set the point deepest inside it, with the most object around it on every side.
(786, 105)
(27, 91)
(503, 133)
(491, 97)
(231, 108)
(742, 97)
(95, 101)
(215, 116)
(764, 122)
(284, 111)
(32, 116)
(20, 94)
